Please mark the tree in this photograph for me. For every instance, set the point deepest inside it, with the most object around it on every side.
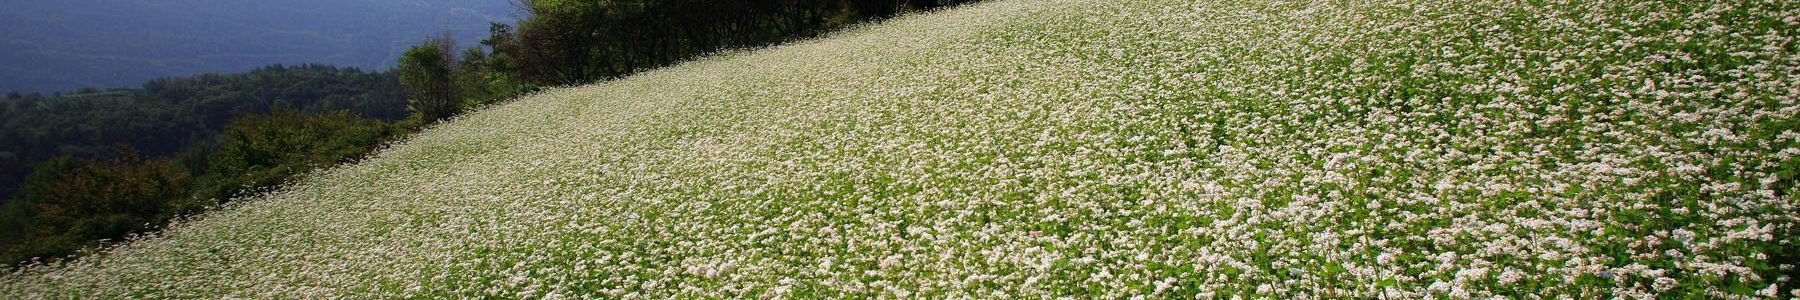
(83, 192)
(471, 78)
(70, 204)
(565, 42)
(427, 74)
(503, 43)
(262, 151)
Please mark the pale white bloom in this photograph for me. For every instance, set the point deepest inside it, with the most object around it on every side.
(1663, 284)
(1157, 148)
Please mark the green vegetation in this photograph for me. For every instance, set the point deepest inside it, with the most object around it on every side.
(1088, 149)
(1071, 148)
(429, 74)
(216, 137)
(263, 151)
(576, 42)
(71, 203)
(169, 116)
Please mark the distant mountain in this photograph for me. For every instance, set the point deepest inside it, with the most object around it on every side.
(61, 45)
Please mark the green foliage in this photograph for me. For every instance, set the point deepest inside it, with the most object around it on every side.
(83, 189)
(428, 73)
(481, 81)
(574, 42)
(166, 116)
(71, 204)
(262, 151)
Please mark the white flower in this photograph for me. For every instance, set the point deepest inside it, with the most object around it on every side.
(1015, 147)
(1663, 284)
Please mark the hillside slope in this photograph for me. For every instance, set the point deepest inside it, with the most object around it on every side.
(1170, 148)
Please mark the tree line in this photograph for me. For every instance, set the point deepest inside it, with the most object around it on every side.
(166, 116)
(568, 42)
(92, 165)
(95, 165)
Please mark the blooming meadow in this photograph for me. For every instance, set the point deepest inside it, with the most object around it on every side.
(1397, 149)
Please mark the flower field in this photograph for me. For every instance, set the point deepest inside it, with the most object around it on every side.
(1396, 149)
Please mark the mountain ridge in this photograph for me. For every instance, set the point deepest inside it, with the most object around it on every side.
(65, 45)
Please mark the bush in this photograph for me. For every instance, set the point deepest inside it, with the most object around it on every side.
(71, 204)
(262, 151)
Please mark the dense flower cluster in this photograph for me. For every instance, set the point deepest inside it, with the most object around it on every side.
(1396, 149)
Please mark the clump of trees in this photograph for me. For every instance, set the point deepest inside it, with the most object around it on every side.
(573, 42)
(94, 165)
(441, 82)
(428, 72)
(263, 151)
(71, 204)
(168, 116)
(564, 42)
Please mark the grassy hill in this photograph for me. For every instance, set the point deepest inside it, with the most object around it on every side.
(1402, 149)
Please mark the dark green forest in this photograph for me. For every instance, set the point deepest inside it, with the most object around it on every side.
(573, 42)
(90, 166)
(166, 116)
(100, 164)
